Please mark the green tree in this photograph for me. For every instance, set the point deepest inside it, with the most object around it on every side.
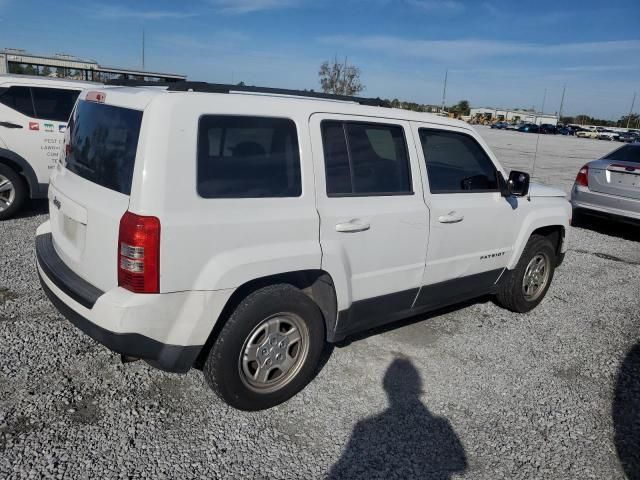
(340, 78)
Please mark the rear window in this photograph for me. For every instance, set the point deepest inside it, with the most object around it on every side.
(103, 142)
(54, 104)
(628, 153)
(247, 157)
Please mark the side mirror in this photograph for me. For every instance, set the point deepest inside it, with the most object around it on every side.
(518, 183)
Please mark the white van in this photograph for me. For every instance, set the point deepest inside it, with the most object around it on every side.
(33, 118)
(239, 231)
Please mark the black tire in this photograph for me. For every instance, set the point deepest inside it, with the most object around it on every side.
(223, 369)
(19, 192)
(511, 294)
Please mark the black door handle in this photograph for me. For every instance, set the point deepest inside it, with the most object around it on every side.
(10, 125)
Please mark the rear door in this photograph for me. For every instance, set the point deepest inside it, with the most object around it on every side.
(374, 223)
(618, 173)
(33, 121)
(90, 189)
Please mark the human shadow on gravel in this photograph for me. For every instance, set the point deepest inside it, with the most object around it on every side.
(626, 413)
(405, 441)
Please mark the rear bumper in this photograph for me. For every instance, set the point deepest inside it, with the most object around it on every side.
(171, 358)
(166, 330)
(585, 199)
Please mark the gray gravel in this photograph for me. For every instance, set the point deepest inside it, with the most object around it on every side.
(474, 392)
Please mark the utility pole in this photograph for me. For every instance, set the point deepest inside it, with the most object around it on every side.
(562, 102)
(143, 49)
(633, 102)
(444, 90)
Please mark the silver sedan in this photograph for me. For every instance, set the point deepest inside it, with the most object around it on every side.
(610, 186)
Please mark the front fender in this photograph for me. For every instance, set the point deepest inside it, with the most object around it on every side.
(546, 212)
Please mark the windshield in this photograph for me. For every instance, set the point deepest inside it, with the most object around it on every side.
(102, 144)
(628, 153)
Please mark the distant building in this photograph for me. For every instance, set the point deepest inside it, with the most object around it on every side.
(513, 116)
(67, 66)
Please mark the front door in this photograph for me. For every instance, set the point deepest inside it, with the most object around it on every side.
(374, 224)
(472, 224)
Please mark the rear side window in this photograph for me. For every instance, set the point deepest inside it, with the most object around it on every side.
(19, 99)
(365, 159)
(456, 163)
(102, 144)
(54, 104)
(247, 157)
(628, 153)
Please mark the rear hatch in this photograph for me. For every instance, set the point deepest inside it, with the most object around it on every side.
(89, 190)
(618, 173)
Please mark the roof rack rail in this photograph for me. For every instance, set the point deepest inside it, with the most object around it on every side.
(224, 88)
(130, 82)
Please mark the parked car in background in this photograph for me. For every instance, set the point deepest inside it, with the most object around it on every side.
(33, 118)
(610, 186)
(548, 129)
(529, 128)
(629, 137)
(500, 125)
(288, 223)
(587, 134)
(608, 135)
(565, 130)
(512, 126)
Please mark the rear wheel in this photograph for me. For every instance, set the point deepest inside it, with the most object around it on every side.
(525, 286)
(268, 349)
(13, 192)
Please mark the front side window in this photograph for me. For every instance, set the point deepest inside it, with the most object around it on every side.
(19, 99)
(247, 157)
(53, 103)
(365, 159)
(456, 163)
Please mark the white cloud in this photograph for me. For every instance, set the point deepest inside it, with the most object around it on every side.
(239, 7)
(464, 49)
(118, 12)
(437, 5)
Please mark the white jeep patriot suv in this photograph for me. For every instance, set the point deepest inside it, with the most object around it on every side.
(238, 229)
(33, 118)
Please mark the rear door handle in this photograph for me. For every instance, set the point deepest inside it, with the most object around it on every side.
(451, 217)
(352, 226)
(10, 125)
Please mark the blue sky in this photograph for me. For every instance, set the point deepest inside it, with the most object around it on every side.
(498, 53)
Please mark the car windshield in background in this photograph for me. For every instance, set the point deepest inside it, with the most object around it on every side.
(103, 143)
(628, 153)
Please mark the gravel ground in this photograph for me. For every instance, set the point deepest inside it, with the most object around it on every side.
(473, 392)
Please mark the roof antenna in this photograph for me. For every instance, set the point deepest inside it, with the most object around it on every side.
(535, 153)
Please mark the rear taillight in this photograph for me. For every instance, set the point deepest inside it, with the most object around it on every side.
(583, 177)
(139, 253)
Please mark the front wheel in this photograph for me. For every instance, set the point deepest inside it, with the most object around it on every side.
(268, 349)
(13, 192)
(525, 286)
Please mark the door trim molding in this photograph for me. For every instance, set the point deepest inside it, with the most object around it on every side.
(377, 311)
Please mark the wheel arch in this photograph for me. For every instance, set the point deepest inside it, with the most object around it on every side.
(316, 284)
(551, 220)
(22, 167)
